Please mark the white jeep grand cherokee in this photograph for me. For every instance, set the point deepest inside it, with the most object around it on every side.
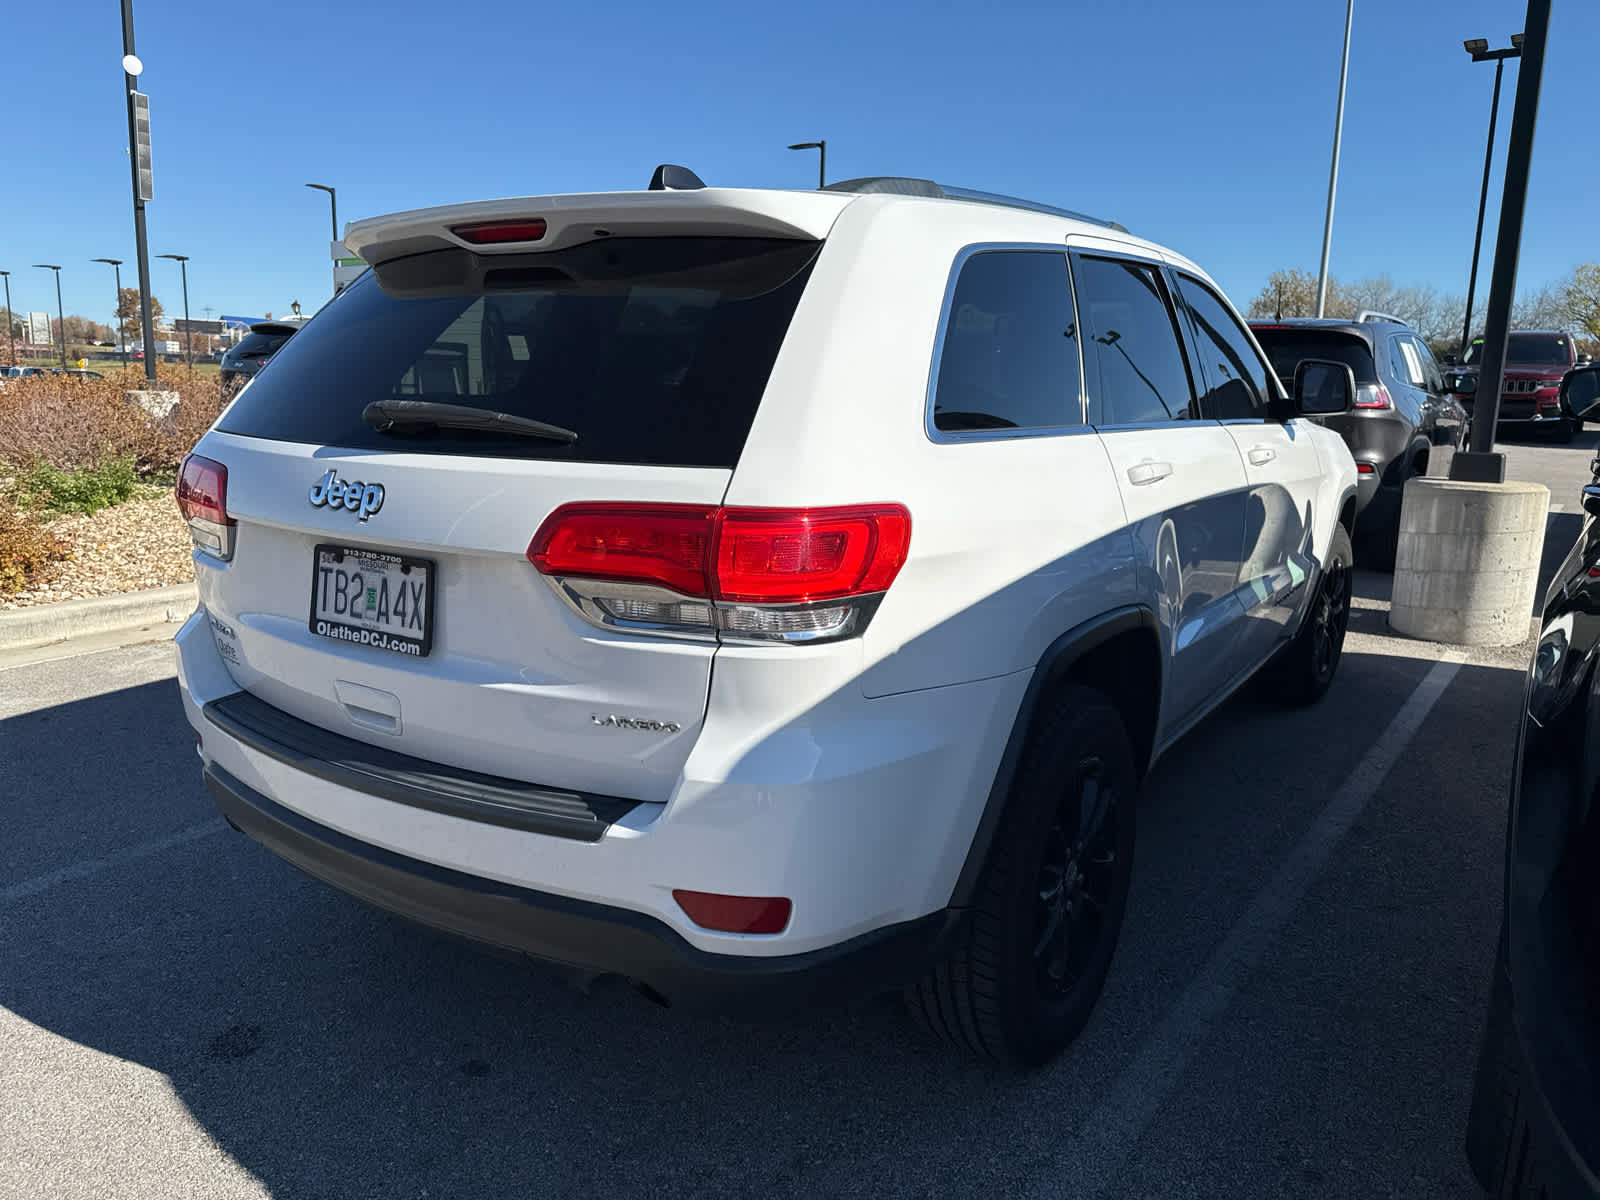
(761, 596)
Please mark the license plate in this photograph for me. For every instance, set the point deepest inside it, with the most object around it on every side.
(372, 598)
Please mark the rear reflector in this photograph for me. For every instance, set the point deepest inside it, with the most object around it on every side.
(1366, 469)
(489, 233)
(735, 914)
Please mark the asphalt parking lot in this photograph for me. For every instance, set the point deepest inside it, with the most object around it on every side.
(1293, 1010)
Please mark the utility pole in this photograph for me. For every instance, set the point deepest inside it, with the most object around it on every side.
(1333, 169)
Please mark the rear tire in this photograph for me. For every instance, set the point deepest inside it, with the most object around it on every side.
(1306, 667)
(1032, 959)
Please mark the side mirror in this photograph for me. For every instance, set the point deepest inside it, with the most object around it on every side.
(1591, 499)
(1580, 391)
(1584, 360)
(1449, 360)
(1323, 388)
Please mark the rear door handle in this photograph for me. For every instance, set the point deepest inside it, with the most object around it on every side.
(1148, 472)
(1260, 456)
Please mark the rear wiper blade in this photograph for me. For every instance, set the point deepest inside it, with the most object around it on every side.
(398, 416)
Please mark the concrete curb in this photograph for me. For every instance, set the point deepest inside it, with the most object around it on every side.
(25, 628)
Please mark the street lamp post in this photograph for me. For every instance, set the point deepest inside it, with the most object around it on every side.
(822, 159)
(333, 205)
(132, 68)
(188, 328)
(1481, 464)
(122, 342)
(1479, 49)
(11, 318)
(61, 315)
(1333, 169)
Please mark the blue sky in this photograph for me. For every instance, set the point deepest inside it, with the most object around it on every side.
(1204, 124)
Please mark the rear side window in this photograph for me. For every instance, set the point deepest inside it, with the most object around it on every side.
(1233, 374)
(1132, 352)
(655, 351)
(1287, 346)
(1010, 355)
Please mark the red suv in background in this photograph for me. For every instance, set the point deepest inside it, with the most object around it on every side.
(1536, 361)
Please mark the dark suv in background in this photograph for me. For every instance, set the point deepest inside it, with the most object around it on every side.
(1402, 408)
(1536, 362)
(243, 360)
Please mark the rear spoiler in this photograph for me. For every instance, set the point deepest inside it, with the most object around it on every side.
(571, 220)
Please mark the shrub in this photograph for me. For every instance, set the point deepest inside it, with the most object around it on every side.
(82, 424)
(25, 551)
(85, 491)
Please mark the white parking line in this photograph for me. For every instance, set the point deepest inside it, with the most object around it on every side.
(92, 866)
(1093, 1159)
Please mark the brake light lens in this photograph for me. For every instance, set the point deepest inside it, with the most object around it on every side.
(491, 233)
(800, 555)
(668, 544)
(1373, 395)
(735, 914)
(773, 573)
(202, 494)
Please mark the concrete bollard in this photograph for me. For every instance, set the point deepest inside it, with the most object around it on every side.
(1468, 561)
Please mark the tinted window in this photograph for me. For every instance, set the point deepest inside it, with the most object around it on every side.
(1534, 349)
(258, 345)
(1133, 354)
(1286, 345)
(1010, 357)
(1231, 370)
(654, 350)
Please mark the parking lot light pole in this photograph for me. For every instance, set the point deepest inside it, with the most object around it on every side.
(188, 328)
(61, 315)
(333, 206)
(822, 159)
(122, 342)
(11, 318)
(1333, 167)
(1482, 464)
(132, 68)
(1479, 49)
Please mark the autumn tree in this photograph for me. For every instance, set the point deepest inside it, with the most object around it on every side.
(128, 313)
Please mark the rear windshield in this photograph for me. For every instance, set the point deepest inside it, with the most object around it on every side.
(1287, 347)
(255, 345)
(652, 350)
(1535, 349)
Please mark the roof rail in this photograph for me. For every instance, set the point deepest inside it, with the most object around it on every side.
(1372, 314)
(905, 186)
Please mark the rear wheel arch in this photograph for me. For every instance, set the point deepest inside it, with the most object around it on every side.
(1117, 654)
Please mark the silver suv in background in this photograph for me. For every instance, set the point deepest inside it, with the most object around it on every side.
(1402, 408)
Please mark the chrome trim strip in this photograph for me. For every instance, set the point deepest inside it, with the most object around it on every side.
(574, 593)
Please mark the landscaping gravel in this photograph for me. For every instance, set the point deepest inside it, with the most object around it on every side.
(131, 546)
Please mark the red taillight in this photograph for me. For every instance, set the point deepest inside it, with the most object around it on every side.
(1366, 469)
(795, 574)
(735, 914)
(203, 490)
(203, 500)
(489, 233)
(1374, 396)
(667, 544)
(800, 555)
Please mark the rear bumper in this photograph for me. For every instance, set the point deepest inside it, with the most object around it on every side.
(589, 937)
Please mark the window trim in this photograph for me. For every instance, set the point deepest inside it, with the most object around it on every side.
(945, 437)
(1185, 350)
(1269, 372)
